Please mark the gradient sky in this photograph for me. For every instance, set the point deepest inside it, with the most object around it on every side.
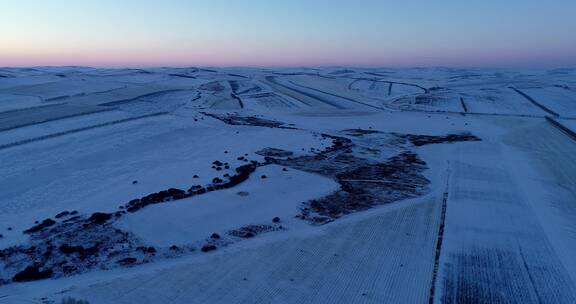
(288, 32)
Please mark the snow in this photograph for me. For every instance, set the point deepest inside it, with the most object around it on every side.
(497, 220)
(197, 218)
(58, 126)
(11, 102)
(569, 123)
(494, 216)
(559, 99)
(498, 101)
(63, 89)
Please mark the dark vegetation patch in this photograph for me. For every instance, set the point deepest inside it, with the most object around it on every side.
(251, 231)
(422, 140)
(99, 218)
(238, 120)
(173, 194)
(127, 261)
(32, 273)
(147, 249)
(365, 183)
(416, 140)
(71, 246)
(74, 244)
(360, 132)
(216, 240)
(45, 224)
(273, 152)
(155, 198)
(214, 86)
(65, 214)
(208, 248)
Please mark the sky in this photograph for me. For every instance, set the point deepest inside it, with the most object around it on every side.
(114, 33)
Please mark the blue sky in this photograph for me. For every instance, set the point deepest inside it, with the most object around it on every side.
(294, 32)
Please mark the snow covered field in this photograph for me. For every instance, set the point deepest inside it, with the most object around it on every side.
(301, 185)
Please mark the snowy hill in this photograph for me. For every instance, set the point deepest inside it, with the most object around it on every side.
(296, 185)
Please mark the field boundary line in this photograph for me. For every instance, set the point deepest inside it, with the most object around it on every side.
(556, 124)
(32, 108)
(439, 239)
(63, 133)
(534, 102)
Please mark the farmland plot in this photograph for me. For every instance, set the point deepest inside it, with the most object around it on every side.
(496, 246)
(561, 100)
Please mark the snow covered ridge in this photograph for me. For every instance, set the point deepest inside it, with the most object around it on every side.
(252, 185)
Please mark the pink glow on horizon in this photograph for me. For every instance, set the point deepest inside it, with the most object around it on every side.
(311, 55)
(287, 33)
(292, 58)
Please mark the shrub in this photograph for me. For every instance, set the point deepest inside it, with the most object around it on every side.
(73, 301)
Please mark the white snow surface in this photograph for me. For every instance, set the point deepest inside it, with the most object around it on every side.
(197, 218)
(496, 224)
